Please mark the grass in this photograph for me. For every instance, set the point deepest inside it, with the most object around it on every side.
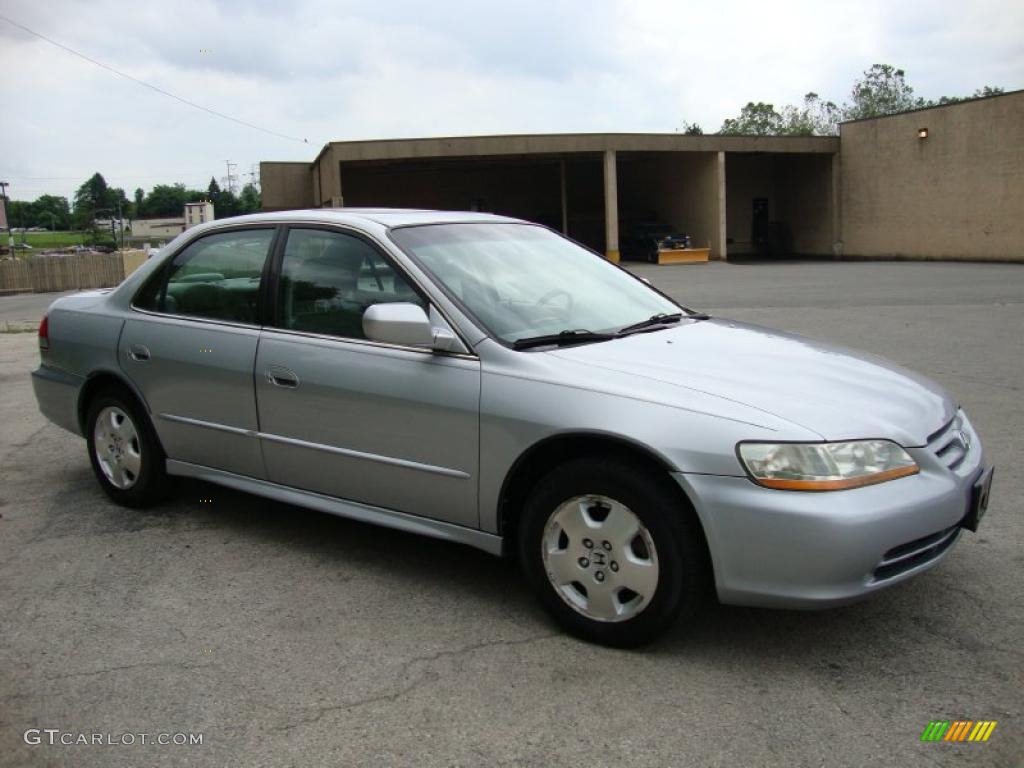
(46, 240)
(40, 240)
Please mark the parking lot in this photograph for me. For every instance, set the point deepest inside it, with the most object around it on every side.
(288, 637)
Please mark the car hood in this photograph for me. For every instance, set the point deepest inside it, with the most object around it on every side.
(836, 392)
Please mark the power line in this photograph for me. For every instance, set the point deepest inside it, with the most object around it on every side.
(159, 90)
(111, 175)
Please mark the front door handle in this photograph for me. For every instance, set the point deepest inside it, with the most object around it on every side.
(280, 376)
(138, 352)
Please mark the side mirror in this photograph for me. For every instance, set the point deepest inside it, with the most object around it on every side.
(402, 323)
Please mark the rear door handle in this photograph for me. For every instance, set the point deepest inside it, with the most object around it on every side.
(280, 376)
(138, 352)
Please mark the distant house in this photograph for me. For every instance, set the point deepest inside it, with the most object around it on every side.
(194, 213)
(198, 213)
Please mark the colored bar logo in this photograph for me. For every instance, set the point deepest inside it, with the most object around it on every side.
(958, 730)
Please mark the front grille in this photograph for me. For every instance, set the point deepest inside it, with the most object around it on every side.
(914, 553)
(948, 443)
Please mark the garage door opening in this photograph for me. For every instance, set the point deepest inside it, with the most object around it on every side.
(564, 192)
(667, 192)
(778, 205)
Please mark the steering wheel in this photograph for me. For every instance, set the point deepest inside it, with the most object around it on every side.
(559, 313)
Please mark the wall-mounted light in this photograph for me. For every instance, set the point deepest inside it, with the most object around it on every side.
(922, 133)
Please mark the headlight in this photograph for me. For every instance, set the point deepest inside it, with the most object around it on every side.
(825, 466)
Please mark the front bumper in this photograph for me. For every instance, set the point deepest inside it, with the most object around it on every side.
(57, 394)
(811, 550)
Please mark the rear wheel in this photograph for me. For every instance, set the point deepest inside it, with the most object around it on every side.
(611, 551)
(123, 450)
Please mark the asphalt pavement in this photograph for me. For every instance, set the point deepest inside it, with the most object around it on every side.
(288, 637)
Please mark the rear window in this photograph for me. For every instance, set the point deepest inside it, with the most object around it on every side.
(217, 277)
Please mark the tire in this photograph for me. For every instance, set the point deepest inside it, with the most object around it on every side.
(576, 531)
(123, 449)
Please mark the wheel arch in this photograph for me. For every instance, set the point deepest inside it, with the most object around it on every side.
(543, 456)
(99, 380)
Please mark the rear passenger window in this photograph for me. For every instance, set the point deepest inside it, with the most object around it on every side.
(217, 277)
(328, 279)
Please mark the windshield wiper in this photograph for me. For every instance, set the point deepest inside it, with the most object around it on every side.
(661, 319)
(561, 339)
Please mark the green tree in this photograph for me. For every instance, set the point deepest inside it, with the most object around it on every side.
(164, 201)
(815, 117)
(92, 196)
(51, 211)
(690, 129)
(979, 93)
(250, 200)
(883, 90)
(987, 90)
(134, 210)
(19, 214)
(755, 119)
(226, 205)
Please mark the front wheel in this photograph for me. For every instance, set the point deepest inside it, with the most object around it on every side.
(123, 450)
(613, 554)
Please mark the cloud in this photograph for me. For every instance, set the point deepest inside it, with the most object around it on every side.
(345, 70)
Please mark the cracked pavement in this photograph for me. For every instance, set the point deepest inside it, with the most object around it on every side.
(288, 637)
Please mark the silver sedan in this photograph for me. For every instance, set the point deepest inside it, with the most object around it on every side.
(490, 382)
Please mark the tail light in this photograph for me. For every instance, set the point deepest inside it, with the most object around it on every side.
(44, 333)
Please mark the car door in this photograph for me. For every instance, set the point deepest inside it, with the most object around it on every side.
(393, 427)
(190, 348)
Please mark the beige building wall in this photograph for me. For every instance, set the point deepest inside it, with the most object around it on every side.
(957, 194)
(286, 185)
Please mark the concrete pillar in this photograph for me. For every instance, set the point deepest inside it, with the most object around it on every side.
(329, 175)
(565, 200)
(720, 251)
(337, 199)
(837, 206)
(611, 207)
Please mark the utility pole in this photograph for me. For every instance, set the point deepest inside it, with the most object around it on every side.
(120, 223)
(10, 235)
(231, 184)
(254, 175)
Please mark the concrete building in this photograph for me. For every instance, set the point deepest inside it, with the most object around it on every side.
(197, 213)
(159, 229)
(885, 187)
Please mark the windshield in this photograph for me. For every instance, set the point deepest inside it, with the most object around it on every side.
(523, 281)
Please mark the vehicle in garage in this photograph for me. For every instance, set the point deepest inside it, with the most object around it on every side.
(641, 240)
(487, 381)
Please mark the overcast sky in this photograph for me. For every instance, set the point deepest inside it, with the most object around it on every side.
(324, 71)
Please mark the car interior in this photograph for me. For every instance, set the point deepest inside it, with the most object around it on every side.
(328, 282)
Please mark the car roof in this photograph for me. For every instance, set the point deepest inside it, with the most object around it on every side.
(387, 217)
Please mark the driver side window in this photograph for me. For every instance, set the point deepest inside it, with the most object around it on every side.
(329, 279)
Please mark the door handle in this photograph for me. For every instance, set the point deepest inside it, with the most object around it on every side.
(138, 352)
(280, 376)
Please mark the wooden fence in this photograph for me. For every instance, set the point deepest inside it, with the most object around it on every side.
(63, 272)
